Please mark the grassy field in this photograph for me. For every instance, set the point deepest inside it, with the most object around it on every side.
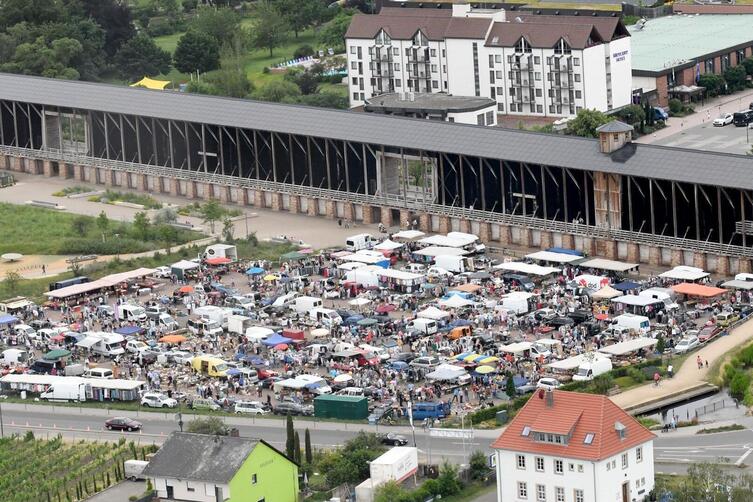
(34, 230)
(53, 470)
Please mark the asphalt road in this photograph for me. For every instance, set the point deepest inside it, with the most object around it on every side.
(87, 423)
(676, 450)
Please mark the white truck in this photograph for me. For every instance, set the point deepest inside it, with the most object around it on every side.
(638, 323)
(221, 251)
(358, 242)
(109, 344)
(396, 464)
(592, 367)
(304, 304)
(213, 313)
(65, 389)
(14, 357)
(327, 317)
(238, 324)
(167, 321)
(456, 264)
(424, 326)
(133, 313)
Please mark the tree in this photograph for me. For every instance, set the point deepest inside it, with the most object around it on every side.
(166, 215)
(297, 447)
(141, 225)
(289, 438)
(736, 77)
(12, 278)
(510, 386)
(585, 123)
(115, 18)
(661, 344)
(632, 114)
(478, 465)
(300, 14)
(389, 491)
(30, 11)
(603, 384)
(211, 212)
(714, 84)
(231, 82)
(207, 425)
(196, 51)
(222, 23)
(277, 91)
(141, 57)
(739, 385)
(309, 454)
(47, 60)
(306, 81)
(332, 34)
(350, 464)
(269, 30)
(748, 64)
(324, 100)
(227, 229)
(448, 481)
(80, 225)
(103, 223)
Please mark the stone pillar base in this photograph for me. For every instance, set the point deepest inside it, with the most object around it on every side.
(744, 266)
(141, 183)
(330, 209)
(465, 226)
(166, 185)
(568, 241)
(406, 218)
(722, 265)
(424, 222)
(47, 168)
(525, 237)
(505, 235)
(676, 258)
(484, 234)
(654, 256)
(633, 253)
(295, 204)
(348, 211)
(191, 191)
(608, 249)
(223, 192)
(386, 218)
(444, 224)
(312, 207)
(699, 260)
(546, 239)
(367, 212)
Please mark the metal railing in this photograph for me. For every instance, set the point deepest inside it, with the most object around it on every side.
(390, 200)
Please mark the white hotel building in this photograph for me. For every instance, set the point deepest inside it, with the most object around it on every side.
(573, 447)
(530, 64)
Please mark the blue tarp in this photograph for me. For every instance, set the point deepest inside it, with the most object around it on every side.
(255, 271)
(565, 251)
(626, 286)
(129, 330)
(462, 294)
(276, 339)
(8, 319)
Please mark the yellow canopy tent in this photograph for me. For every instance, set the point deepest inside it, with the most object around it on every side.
(150, 83)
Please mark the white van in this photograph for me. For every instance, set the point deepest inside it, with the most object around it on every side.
(25, 331)
(457, 264)
(422, 325)
(133, 313)
(13, 357)
(109, 344)
(637, 323)
(213, 313)
(379, 352)
(590, 369)
(101, 373)
(204, 327)
(358, 242)
(326, 317)
(304, 304)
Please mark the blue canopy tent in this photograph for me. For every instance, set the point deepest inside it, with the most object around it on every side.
(8, 319)
(565, 251)
(626, 286)
(255, 271)
(129, 330)
(276, 339)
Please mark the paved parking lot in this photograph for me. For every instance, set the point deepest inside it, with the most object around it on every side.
(727, 139)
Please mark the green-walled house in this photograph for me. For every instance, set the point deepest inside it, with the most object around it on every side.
(206, 468)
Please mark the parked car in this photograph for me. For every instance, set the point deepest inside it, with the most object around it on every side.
(157, 400)
(204, 404)
(706, 334)
(723, 120)
(291, 408)
(393, 439)
(250, 407)
(425, 362)
(548, 383)
(687, 344)
(122, 424)
(163, 272)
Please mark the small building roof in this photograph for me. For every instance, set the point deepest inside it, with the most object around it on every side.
(427, 102)
(614, 126)
(596, 415)
(610, 265)
(201, 457)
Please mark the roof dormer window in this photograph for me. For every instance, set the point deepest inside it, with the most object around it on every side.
(383, 38)
(420, 40)
(562, 47)
(522, 45)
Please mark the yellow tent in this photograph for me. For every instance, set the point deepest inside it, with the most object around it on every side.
(149, 83)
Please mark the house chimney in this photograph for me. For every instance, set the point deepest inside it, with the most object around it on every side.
(549, 398)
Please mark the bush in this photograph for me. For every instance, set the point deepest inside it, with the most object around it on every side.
(739, 385)
(637, 375)
(303, 51)
(478, 466)
(207, 425)
(675, 106)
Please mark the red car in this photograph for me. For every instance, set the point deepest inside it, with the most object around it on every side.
(264, 374)
(709, 333)
(122, 424)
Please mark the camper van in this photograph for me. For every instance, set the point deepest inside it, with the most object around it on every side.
(108, 344)
(590, 369)
(327, 317)
(166, 321)
(304, 304)
(358, 242)
(210, 366)
(14, 357)
(133, 313)
(637, 323)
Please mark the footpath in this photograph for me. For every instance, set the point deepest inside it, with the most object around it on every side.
(688, 376)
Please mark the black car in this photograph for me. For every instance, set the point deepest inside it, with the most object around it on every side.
(393, 439)
(122, 424)
(580, 316)
(405, 357)
(291, 408)
(556, 322)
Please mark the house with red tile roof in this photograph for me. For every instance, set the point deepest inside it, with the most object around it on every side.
(528, 64)
(573, 447)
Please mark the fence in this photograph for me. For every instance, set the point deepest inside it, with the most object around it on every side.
(715, 406)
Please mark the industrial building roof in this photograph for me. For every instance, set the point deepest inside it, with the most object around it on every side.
(672, 41)
(692, 166)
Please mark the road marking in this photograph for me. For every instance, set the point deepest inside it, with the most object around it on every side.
(742, 458)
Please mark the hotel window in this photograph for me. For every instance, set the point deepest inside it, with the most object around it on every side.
(434, 68)
(577, 77)
(396, 66)
(576, 61)
(521, 459)
(708, 66)
(571, 467)
(540, 464)
(435, 84)
(489, 118)
(559, 494)
(537, 76)
(353, 65)
(497, 58)
(352, 49)
(500, 107)
(578, 94)
(433, 53)
(523, 490)
(541, 493)
(538, 93)
(395, 51)
(398, 83)
(579, 496)
(559, 467)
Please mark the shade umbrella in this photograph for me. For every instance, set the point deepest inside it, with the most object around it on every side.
(471, 357)
(185, 289)
(487, 360)
(384, 308)
(367, 322)
(56, 354)
(173, 339)
(602, 317)
(255, 271)
(271, 277)
(281, 346)
(57, 338)
(342, 378)
(485, 370)
(359, 302)
(319, 332)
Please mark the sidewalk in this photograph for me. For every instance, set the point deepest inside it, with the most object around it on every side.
(710, 110)
(688, 374)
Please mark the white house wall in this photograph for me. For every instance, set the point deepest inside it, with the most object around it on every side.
(202, 492)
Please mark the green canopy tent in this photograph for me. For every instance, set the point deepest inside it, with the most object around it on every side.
(292, 256)
(56, 354)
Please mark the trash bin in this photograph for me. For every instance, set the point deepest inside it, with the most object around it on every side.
(23, 394)
(501, 417)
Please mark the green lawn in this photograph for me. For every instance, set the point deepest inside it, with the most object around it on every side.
(168, 42)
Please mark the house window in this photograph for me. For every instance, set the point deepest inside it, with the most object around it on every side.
(396, 66)
(491, 77)
(355, 80)
(579, 495)
(434, 68)
(443, 53)
(522, 490)
(571, 467)
(253, 479)
(624, 460)
(521, 462)
(353, 65)
(538, 93)
(355, 96)
(539, 109)
(500, 107)
(489, 118)
(541, 493)
(497, 58)
(492, 93)
(398, 83)
(435, 84)
(558, 467)
(395, 51)
(559, 494)
(577, 77)
(480, 121)
(540, 464)
(536, 60)
(551, 108)
(352, 49)
(363, 97)
(190, 489)
(576, 61)
(491, 60)
(537, 75)
(580, 467)
(579, 95)
(433, 53)
(498, 74)
(639, 454)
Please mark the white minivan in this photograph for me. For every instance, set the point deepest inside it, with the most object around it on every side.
(326, 317)
(101, 373)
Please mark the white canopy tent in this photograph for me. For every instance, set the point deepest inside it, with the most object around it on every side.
(744, 285)
(433, 313)
(572, 363)
(445, 372)
(408, 235)
(359, 302)
(456, 301)
(516, 348)
(624, 348)
(105, 282)
(609, 265)
(433, 251)
(636, 300)
(606, 293)
(258, 333)
(685, 273)
(527, 268)
(351, 265)
(553, 257)
(388, 245)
